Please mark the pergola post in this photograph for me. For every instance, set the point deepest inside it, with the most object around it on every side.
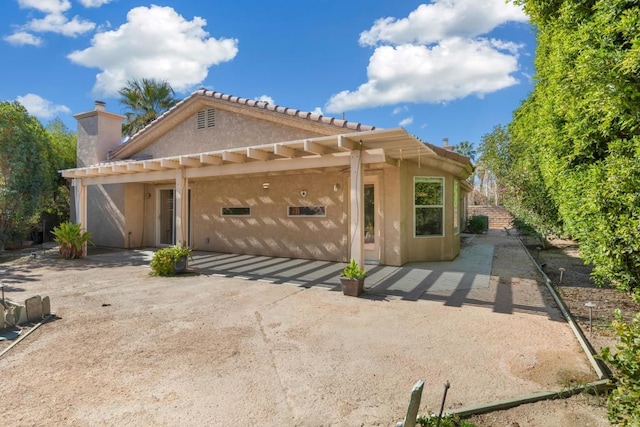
(356, 199)
(81, 207)
(182, 208)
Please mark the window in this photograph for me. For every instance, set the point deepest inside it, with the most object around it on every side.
(236, 211)
(456, 208)
(307, 211)
(206, 119)
(428, 202)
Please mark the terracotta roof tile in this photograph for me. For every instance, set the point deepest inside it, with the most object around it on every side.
(314, 117)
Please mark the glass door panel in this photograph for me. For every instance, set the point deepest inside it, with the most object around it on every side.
(369, 217)
(166, 219)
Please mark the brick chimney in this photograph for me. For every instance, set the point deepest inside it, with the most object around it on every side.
(99, 131)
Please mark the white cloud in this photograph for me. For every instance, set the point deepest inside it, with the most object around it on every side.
(406, 122)
(511, 47)
(94, 3)
(22, 38)
(399, 110)
(442, 19)
(454, 69)
(318, 110)
(155, 42)
(58, 23)
(267, 99)
(436, 54)
(46, 6)
(40, 107)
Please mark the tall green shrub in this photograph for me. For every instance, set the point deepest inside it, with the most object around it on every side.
(575, 141)
(624, 400)
(25, 170)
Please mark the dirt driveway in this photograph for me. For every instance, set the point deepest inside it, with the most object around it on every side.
(204, 350)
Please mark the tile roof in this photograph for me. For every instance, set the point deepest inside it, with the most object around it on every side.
(314, 117)
(284, 110)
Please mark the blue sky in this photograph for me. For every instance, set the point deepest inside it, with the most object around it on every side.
(442, 69)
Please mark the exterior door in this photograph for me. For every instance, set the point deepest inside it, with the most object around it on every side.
(372, 221)
(166, 226)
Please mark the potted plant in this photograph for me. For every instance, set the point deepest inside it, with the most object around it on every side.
(170, 261)
(352, 279)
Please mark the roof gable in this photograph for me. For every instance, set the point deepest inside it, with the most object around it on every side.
(183, 110)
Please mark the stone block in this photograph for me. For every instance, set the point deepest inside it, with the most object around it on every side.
(46, 305)
(33, 307)
(20, 314)
(10, 319)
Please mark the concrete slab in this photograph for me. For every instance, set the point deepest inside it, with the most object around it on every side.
(470, 270)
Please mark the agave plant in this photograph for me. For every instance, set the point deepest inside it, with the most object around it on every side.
(71, 239)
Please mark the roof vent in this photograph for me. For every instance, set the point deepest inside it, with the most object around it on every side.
(100, 105)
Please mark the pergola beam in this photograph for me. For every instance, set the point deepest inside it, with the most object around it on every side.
(233, 157)
(284, 151)
(153, 165)
(135, 167)
(190, 162)
(259, 154)
(169, 163)
(347, 144)
(315, 148)
(210, 160)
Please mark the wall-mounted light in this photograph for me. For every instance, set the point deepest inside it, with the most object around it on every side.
(265, 185)
(336, 187)
(303, 193)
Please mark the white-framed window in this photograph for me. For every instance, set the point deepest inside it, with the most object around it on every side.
(235, 211)
(456, 206)
(428, 206)
(206, 118)
(297, 211)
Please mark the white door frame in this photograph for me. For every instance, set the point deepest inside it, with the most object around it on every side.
(374, 254)
(158, 214)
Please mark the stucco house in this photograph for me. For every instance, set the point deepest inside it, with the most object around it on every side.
(228, 174)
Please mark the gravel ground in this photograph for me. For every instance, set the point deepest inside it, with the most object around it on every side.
(205, 350)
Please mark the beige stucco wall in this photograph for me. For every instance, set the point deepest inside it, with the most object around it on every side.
(98, 132)
(390, 186)
(105, 214)
(269, 231)
(115, 210)
(230, 131)
(444, 248)
(134, 209)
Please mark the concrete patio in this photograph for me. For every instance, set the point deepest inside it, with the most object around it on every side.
(470, 270)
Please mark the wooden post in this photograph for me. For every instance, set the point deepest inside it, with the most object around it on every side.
(356, 199)
(182, 208)
(414, 405)
(81, 208)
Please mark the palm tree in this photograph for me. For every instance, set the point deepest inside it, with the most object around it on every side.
(146, 100)
(466, 149)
